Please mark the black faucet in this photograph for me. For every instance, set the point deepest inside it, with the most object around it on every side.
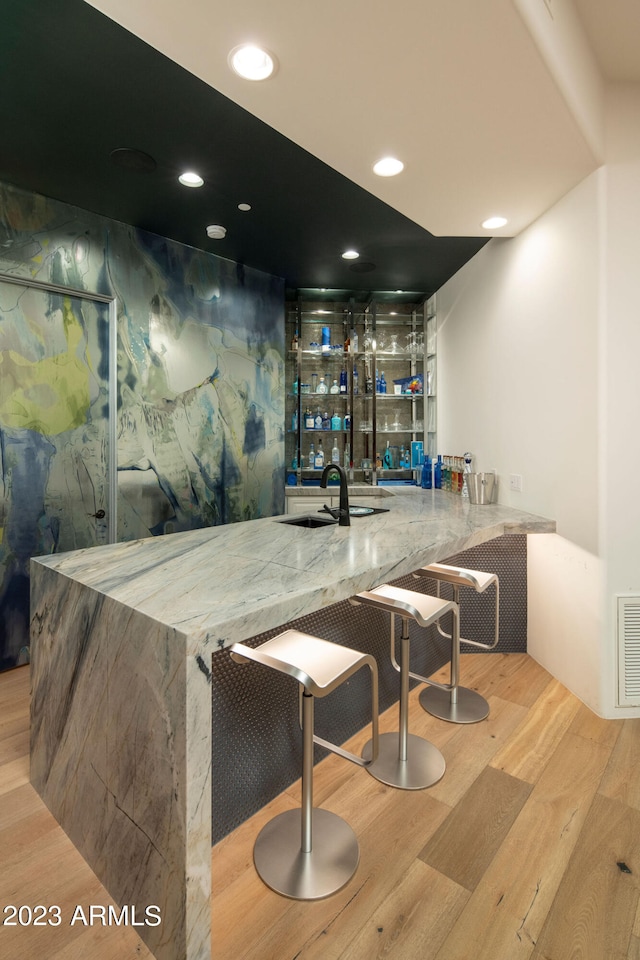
(342, 513)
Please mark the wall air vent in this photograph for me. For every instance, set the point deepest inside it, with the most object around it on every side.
(629, 651)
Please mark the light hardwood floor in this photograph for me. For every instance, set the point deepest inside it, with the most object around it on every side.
(529, 847)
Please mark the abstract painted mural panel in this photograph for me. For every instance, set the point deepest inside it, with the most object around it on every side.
(53, 440)
(200, 390)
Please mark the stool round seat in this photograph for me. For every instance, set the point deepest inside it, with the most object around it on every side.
(405, 760)
(308, 854)
(451, 701)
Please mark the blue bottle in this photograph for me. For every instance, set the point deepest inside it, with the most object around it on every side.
(343, 381)
(336, 422)
(383, 384)
(437, 473)
(425, 480)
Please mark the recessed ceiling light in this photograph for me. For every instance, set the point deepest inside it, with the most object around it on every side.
(190, 179)
(252, 62)
(244, 207)
(388, 167)
(350, 255)
(216, 232)
(493, 223)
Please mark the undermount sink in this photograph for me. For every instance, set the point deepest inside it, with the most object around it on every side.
(355, 511)
(310, 520)
(322, 519)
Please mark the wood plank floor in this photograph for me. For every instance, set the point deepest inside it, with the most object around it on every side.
(529, 847)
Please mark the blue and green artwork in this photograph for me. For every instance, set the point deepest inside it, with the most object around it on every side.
(198, 368)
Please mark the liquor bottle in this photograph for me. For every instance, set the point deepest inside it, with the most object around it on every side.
(383, 383)
(425, 479)
(335, 452)
(326, 421)
(335, 388)
(319, 460)
(322, 386)
(343, 381)
(355, 382)
(312, 457)
(317, 423)
(309, 419)
(437, 473)
(336, 422)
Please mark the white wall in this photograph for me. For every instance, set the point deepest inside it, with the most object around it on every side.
(518, 364)
(518, 384)
(539, 356)
(621, 361)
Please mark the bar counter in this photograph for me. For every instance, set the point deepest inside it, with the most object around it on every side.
(122, 638)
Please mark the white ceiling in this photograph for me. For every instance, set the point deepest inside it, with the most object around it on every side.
(495, 107)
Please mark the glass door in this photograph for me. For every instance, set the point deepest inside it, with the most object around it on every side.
(57, 442)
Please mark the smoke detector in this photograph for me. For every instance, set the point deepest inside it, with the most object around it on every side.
(216, 232)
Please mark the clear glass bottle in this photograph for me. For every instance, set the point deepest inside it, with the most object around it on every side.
(319, 460)
(335, 452)
(335, 388)
(326, 421)
(322, 386)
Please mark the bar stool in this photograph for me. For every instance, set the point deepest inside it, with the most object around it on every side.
(308, 854)
(405, 760)
(451, 701)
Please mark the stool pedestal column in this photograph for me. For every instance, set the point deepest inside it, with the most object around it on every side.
(404, 760)
(306, 854)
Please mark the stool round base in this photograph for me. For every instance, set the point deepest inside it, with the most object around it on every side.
(306, 876)
(423, 767)
(470, 706)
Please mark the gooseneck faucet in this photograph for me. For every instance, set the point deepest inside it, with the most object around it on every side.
(342, 513)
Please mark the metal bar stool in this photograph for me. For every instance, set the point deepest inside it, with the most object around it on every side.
(405, 760)
(310, 853)
(451, 701)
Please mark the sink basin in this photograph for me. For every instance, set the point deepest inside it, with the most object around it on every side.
(355, 511)
(309, 520)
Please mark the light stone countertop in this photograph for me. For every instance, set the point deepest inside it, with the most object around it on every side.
(228, 583)
(122, 686)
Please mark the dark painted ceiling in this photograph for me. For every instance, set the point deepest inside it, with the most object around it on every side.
(75, 86)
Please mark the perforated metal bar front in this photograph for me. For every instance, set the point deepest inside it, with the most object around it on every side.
(257, 749)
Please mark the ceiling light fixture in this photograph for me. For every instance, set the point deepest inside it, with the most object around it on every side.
(216, 232)
(388, 167)
(190, 179)
(244, 207)
(252, 62)
(494, 223)
(350, 255)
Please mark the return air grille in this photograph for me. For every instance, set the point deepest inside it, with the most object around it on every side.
(629, 651)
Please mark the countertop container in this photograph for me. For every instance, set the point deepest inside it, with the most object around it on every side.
(480, 487)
